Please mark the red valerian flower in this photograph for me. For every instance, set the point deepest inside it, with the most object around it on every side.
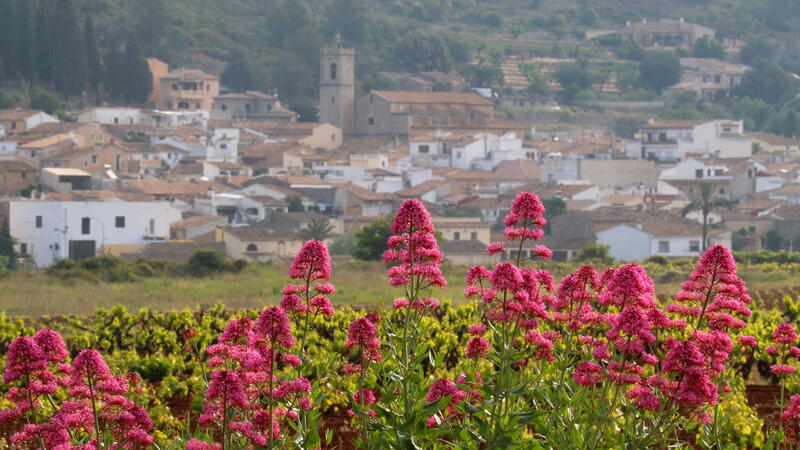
(363, 334)
(312, 262)
(274, 326)
(588, 374)
(495, 247)
(784, 334)
(477, 347)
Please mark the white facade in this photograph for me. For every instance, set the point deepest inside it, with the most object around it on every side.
(48, 230)
(354, 174)
(479, 151)
(240, 209)
(692, 169)
(719, 138)
(114, 116)
(37, 119)
(223, 146)
(626, 243)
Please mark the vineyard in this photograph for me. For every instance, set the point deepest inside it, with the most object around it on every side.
(528, 354)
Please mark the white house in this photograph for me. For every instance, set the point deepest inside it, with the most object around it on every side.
(223, 146)
(710, 79)
(669, 237)
(240, 209)
(467, 150)
(51, 230)
(115, 116)
(671, 140)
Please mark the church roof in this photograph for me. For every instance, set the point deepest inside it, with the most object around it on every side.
(455, 98)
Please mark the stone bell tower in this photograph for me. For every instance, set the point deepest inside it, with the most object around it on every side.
(337, 88)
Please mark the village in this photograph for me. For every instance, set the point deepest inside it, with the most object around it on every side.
(241, 173)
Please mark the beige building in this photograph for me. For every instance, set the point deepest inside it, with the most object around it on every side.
(158, 69)
(95, 158)
(188, 89)
(665, 33)
(463, 229)
(261, 244)
(311, 134)
(251, 105)
(16, 173)
(196, 227)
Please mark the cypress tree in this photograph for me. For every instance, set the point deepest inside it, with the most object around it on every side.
(25, 39)
(43, 51)
(8, 36)
(114, 80)
(93, 63)
(7, 247)
(138, 79)
(69, 57)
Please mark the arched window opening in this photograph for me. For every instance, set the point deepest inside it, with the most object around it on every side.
(333, 71)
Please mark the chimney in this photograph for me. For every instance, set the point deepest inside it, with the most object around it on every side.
(218, 234)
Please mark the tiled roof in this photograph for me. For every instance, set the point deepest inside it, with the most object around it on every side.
(196, 221)
(364, 194)
(17, 164)
(515, 170)
(462, 98)
(420, 189)
(158, 187)
(262, 234)
(467, 247)
(15, 114)
(190, 75)
(662, 124)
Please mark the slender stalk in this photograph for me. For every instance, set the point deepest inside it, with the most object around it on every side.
(94, 410)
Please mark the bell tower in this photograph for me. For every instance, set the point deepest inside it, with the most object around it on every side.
(337, 88)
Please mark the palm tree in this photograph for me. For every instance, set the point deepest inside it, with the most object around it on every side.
(318, 229)
(705, 204)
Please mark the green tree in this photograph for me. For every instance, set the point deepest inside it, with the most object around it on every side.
(7, 247)
(553, 207)
(8, 36)
(93, 63)
(659, 69)
(706, 47)
(295, 203)
(239, 74)
(371, 241)
(573, 74)
(766, 81)
(138, 78)
(594, 253)
(790, 127)
(773, 241)
(25, 38)
(43, 52)
(69, 56)
(318, 228)
(705, 204)
(114, 79)
(350, 18)
(153, 21)
(755, 49)
(45, 101)
(588, 17)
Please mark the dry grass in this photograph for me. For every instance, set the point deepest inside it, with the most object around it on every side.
(357, 283)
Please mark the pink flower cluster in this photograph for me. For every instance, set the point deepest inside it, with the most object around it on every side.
(312, 265)
(38, 363)
(245, 360)
(414, 248)
(784, 335)
(363, 335)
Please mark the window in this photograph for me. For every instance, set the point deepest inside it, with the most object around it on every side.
(152, 226)
(252, 248)
(749, 173)
(694, 246)
(38, 221)
(752, 229)
(371, 121)
(13, 125)
(224, 107)
(663, 246)
(174, 87)
(183, 105)
(424, 149)
(333, 99)
(662, 136)
(473, 236)
(119, 222)
(722, 191)
(23, 174)
(252, 211)
(94, 159)
(223, 146)
(456, 236)
(698, 173)
(333, 71)
(23, 249)
(197, 105)
(116, 120)
(269, 106)
(85, 225)
(718, 172)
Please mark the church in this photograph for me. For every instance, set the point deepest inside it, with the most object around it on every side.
(401, 114)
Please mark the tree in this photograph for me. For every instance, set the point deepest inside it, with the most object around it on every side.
(773, 241)
(371, 241)
(295, 203)
(47, 102)
(705, 204)
(25, 38)
(790, 128)
(43, 55)
(594, 253)
(706, 47)
(114, 79)
(573, 74)
(239, 74)
(553, 207)
(7, 247)
(138, 78)
(766, 81)
(758, 48)
(69, 56)
(318, 228)
(8, 36)
(350, 18)
(153, 22)
(659, 69)
(93, 63)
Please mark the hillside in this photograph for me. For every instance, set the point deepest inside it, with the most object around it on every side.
(495, 43)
